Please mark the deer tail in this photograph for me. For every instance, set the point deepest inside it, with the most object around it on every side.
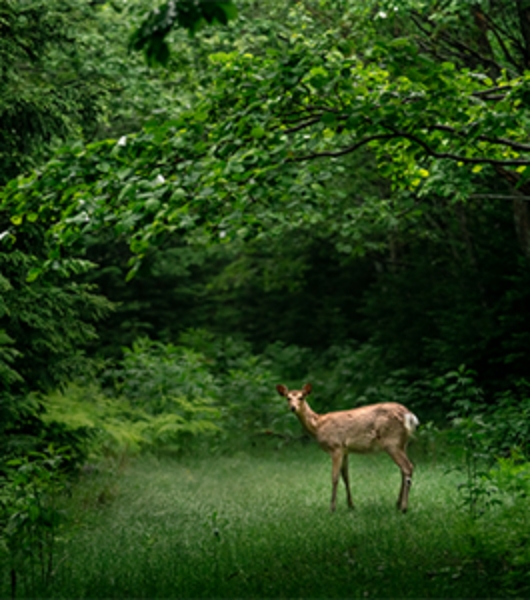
(411, 422)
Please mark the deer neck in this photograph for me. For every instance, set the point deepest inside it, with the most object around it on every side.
(309, 418)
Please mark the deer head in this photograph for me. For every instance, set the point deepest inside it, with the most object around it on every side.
(295, 398)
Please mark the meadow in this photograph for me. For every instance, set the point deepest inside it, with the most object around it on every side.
(257, 524)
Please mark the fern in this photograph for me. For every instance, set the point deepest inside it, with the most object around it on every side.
(120, 427)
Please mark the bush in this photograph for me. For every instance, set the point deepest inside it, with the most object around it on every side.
(30, 517)
(160, 378)
(246, 383)
(118, 427)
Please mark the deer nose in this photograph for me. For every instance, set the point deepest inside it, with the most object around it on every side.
(293, 408)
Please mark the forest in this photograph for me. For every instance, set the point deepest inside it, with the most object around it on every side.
(203, 199)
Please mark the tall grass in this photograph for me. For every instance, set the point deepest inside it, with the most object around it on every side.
(257, 524)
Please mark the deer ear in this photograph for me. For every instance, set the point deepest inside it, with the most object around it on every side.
(282, 390)
(307, 389)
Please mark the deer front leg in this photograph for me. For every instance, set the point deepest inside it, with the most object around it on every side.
(346, 479)
(337, 458)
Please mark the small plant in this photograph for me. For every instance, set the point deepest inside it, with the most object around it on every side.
(511, 475)
(30, 517)
(471, 432)
(477, 491)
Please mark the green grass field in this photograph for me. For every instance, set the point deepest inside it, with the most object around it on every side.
(258, 525)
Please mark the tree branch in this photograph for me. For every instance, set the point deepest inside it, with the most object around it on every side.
(302, 125)
(511, 162)
(485, 138)
(396, 134)
(493, 90)
(344, 151)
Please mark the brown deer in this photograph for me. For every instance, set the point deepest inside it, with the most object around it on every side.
(386, 426)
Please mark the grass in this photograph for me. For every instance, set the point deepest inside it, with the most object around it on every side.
(258, 524)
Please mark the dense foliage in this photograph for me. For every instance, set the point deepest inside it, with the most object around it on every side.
(326, 191)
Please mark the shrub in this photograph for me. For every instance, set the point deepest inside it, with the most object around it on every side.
(30, 517)
(160, 378)
(118, 427)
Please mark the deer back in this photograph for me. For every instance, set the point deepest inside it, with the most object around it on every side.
(364, 429)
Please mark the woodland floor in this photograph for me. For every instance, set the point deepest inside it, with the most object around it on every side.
(258, 524)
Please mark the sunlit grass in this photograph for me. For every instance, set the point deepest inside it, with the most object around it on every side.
(258, 525)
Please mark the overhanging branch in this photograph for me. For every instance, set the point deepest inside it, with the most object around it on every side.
(397, 134)
(470, 160)
(343, 151)
(499, 141)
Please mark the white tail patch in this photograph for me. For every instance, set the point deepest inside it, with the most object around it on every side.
(411, 422)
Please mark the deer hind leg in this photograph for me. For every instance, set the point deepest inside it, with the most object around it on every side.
(401, 459)
(337, 460)
(346, 479)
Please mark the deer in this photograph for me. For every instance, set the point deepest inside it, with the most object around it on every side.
(386, 426)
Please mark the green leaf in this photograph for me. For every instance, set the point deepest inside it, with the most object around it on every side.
(33, 274)
(257, 132)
